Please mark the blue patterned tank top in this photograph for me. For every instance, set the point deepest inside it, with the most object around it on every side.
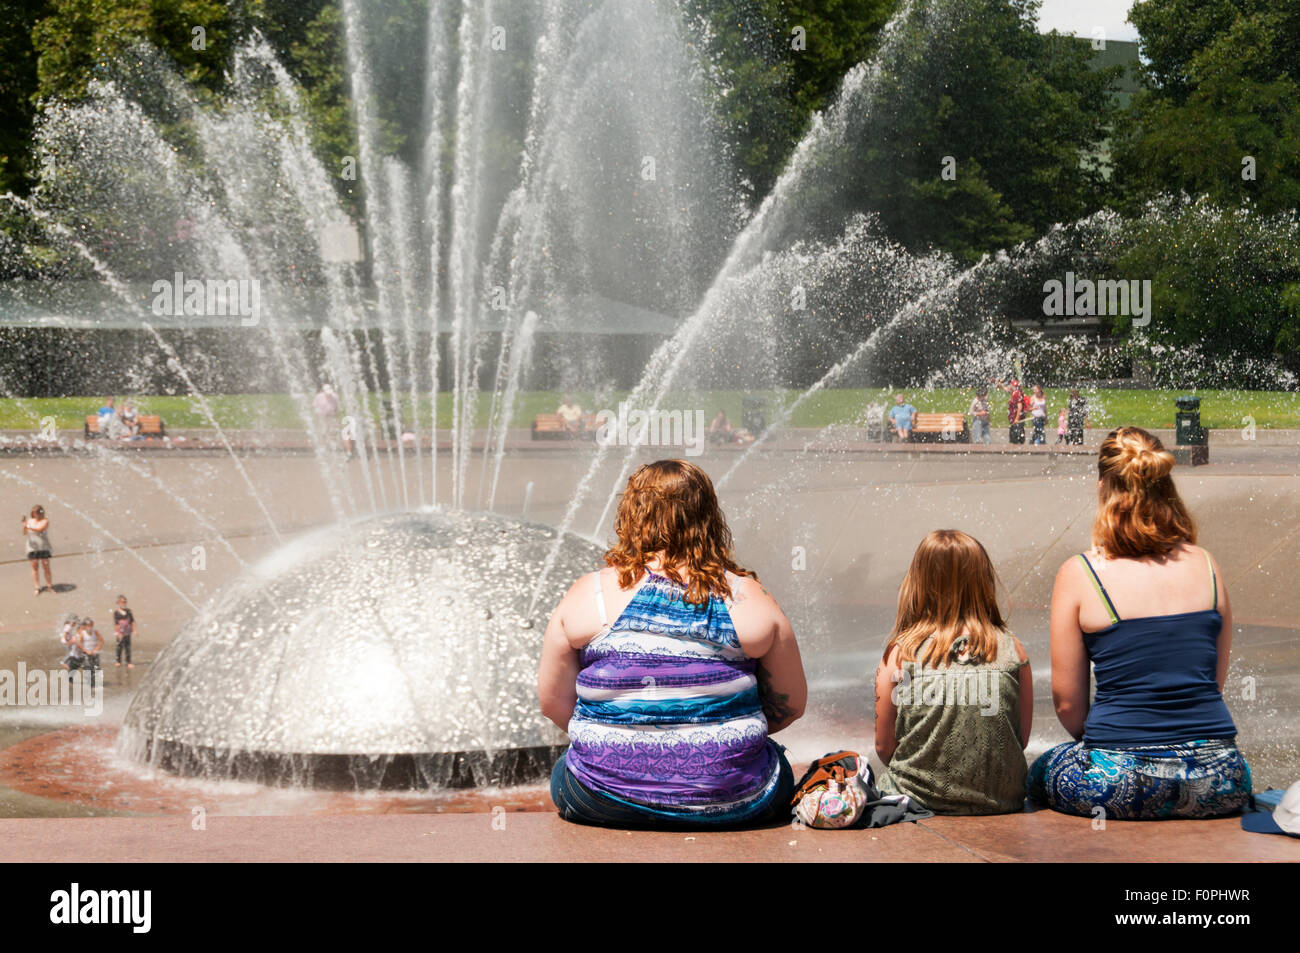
(668, 718)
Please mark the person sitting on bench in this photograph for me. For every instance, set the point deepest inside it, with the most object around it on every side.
(108, 421)
(902, 418)
(571, 414)
(721, 431)
(130, 419)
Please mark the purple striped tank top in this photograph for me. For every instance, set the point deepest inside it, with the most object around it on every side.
(668, 718)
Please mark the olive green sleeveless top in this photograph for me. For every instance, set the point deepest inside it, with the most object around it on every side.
(958, 731)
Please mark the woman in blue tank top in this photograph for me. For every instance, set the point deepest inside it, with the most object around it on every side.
(669, 669)
(1148, 609)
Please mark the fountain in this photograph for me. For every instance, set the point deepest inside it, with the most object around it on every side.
(389, 652)
(396, 647)
(392, 649)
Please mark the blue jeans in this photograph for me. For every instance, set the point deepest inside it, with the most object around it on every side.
(577, 802)
(979, 431)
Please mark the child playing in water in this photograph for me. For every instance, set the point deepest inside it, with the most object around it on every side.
(90, 642)
(954, 696)
(72, 648)
(124, 628)
(1061, 425)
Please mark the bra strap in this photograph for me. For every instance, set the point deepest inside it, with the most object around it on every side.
(1101, 590)
(1214, 579)
(600, 599)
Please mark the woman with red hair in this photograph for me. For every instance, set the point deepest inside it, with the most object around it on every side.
(669, 669)
(1147, 610)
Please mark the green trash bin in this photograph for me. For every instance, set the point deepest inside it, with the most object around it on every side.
(1191, 439)
(1187, 423)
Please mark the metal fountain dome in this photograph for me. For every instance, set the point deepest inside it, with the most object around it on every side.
(391, 651)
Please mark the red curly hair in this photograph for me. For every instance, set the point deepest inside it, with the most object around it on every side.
(1141, 513)
(669, 510)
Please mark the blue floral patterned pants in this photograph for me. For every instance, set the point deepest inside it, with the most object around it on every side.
(1194, 779)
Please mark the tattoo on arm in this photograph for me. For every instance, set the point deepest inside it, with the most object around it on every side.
(739, 595)
(776, 705)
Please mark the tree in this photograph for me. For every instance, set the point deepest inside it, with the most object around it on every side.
(837, 34)
(1224, 281)
(1221, 114)
(17, 82)
(78, 38)
(315, 59)
(979, 131)
(778, 61)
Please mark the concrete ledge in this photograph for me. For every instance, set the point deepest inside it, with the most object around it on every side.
(532, 836)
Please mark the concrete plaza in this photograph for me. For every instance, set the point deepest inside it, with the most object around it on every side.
(830, 533)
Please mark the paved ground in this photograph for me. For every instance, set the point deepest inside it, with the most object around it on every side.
(830, 532)
(1041, 836)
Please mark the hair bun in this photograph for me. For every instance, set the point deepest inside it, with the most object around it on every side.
(1140, 464)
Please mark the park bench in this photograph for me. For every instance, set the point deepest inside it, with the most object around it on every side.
(150, 426)
(552, 427)
(950, 427)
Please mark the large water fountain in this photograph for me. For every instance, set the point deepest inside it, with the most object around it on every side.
(398, 645)
(395, 650)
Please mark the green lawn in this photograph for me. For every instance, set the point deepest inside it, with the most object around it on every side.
(1144, 408)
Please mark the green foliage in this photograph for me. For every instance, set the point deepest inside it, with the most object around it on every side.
(838, 34)
(964, 216)
(1222, 279)
(1015, 110)
(77, 38)
(17, 80)
(1222, 85)
(316, 61)
(770, 88)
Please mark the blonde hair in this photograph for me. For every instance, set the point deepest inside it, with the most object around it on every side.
(950, 590)
(670, 511)
(1140, 512)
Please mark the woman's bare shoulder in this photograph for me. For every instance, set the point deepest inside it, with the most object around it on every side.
(1072, 568)
(747, 589)
(583, 586)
